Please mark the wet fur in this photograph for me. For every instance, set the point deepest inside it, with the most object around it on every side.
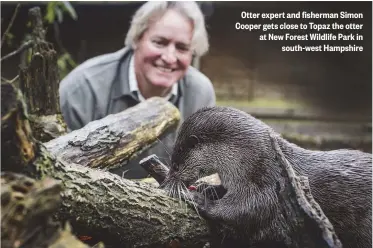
(237, 147)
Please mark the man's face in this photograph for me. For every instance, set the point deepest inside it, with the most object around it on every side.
(163, 53)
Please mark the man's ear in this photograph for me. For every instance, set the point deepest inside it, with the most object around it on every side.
(135, 45)
(136, 42)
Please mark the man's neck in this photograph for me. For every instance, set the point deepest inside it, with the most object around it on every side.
(148, 91)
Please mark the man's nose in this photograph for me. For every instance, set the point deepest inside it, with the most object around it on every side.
(169, 55)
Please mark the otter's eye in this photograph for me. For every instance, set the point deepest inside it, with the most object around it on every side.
(192, 141)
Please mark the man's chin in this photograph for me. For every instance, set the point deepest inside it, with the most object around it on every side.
(163, 84)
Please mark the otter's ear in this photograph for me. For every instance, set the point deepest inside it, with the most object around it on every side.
(193, 141)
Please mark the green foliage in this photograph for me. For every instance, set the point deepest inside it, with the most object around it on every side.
(54, 13)
(65, 64)
(9, 39)
(56, 9)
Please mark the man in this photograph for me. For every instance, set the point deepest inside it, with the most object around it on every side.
(156, 61)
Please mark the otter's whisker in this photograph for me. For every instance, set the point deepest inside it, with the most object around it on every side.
(191, 200)
(171, 194)
(179, 193)
(167, 188)
(223, 238)
(201, 184)
(203, 191)
(183, 192)
(205, 195)
(165, 148)
(214, 193)
(163, 183)
(175, 190)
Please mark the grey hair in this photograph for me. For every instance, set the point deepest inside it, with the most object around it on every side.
(141, 21)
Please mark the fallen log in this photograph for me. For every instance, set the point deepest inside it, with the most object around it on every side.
(114, 140)
(47, 127)
(101, 205)
(122, 213)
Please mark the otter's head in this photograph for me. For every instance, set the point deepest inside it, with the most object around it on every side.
(219, 140)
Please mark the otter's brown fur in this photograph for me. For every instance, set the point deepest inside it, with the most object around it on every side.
(237, 146)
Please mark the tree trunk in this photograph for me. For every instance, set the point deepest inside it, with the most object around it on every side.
(39, 82)
(114, 140)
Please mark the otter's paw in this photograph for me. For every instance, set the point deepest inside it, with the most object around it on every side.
(212, 192)
(196, 198)
(199, 201)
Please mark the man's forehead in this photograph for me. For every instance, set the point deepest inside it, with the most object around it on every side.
(172, 26)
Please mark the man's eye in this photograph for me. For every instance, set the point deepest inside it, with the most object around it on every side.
(183, 48)
(160, 42)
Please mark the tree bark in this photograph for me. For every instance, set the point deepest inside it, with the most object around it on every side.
(116, 211)
(27, 207)
(47, 127)
(122, 213)
(114, 140)
(17, 142)
(39, 81)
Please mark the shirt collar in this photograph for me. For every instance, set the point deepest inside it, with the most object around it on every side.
(133, 84)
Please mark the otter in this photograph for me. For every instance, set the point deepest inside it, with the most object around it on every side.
(237, 146)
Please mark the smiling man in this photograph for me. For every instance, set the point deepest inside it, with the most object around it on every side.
(156, 61)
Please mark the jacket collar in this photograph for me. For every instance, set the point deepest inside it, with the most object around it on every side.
(120, 86)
